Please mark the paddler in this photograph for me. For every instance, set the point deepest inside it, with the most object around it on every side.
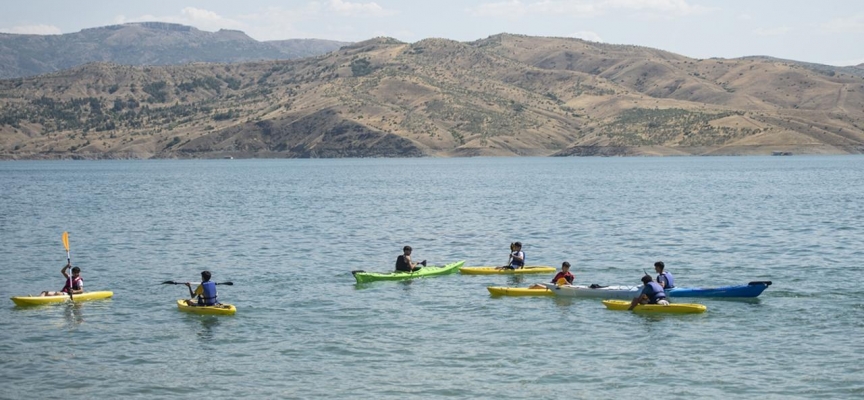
(75, 284)
(664, 279)
(652, 293)
(403, 262)
(564, 277)
(205, 292)
(517, 257)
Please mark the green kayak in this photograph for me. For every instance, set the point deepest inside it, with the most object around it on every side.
(363, 276)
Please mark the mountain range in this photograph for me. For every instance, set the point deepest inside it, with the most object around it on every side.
(144, 43)
(499, 96)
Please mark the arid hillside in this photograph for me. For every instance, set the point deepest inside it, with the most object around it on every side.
(504, 95)
(144, 43)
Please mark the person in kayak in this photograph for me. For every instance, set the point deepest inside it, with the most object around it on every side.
(403, 262)
(664, 279)
(77, 284)
(652, 293)
(517, 257)
(564, 277)
(205, 292)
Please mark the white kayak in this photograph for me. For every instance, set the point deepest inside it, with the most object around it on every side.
(594, 291)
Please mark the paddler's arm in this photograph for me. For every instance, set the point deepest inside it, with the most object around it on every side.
(189, 285)
(79, 290)
(63, 271)
(638, 298)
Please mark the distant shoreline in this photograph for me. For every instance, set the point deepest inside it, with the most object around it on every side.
(578, 151)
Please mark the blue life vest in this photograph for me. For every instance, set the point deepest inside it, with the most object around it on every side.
(670, 282)
(209, 296)
(654, 292)
(516, 263)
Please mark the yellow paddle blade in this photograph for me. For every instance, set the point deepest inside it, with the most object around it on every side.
(66, 240)
(561, 282)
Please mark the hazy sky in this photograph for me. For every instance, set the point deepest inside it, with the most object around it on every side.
(827, 31)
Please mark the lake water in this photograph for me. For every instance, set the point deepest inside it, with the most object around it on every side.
(288, 233)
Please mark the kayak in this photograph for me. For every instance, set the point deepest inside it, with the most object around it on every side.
(40, 300)
(675, 308)
(514, 291)
(752, 289)
(595, 291)
(535, 269)
(222, 309)
(364, 277)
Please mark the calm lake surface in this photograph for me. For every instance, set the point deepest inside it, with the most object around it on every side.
(288, 233)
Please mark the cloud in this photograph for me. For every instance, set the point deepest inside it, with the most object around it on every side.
(745, 17)
(851, 24)
(513, 9)
(772, 31)
(346, 8)
(587, 35)
(40, 29)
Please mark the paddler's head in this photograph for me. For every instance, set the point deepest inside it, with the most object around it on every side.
(406, 250)
(659, 266)
(646, 279)
(565, 266)
(205, 276)
(76, 271)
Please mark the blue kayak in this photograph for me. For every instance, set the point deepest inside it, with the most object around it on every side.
(752, 289)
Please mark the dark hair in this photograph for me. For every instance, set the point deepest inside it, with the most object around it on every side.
(406, 248)
(518, 244)
(660, 264)
(205, 275)
(565, 264)
(76, 270)
(646, 279)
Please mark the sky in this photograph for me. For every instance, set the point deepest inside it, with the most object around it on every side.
(827, 31)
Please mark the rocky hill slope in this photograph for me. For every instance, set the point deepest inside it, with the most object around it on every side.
(144, 43)
(504, 95)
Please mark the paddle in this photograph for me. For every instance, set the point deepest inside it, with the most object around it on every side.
(510, 257)
(69, 278)
(183, 283)
(423, 263)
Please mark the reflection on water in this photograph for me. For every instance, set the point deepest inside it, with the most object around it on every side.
(407, 283)
(564, 301)
(73, 314)
(208, 325)
(515, 280)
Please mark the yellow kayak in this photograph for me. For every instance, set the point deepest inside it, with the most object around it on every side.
(515, 291)
(534, 269)
(40, 300)
(222, 309)
(676, 308)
